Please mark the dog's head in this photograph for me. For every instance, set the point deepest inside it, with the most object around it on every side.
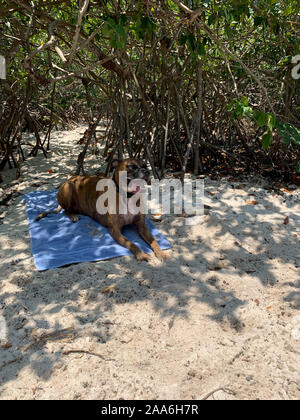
(134, 168)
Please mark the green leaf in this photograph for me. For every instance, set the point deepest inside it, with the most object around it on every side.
(298, 168)
(244, 101)
(271, 122)
(120, 30)
(123, 20)
(143, 27)
(182, 39)
(180, 62)
(258, 20)
(276, 28)
(247, 111)
(289, 133)
(200, 49)
(228, 31)
(191, 41)
(266, 140)
(260, 118)
(212, 18)
(116, 32)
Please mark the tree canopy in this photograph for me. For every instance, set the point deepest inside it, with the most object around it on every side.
(186, 84)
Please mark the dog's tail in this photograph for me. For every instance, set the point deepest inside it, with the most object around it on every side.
(59, 208)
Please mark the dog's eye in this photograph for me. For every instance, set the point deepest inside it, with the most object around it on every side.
(133, 167)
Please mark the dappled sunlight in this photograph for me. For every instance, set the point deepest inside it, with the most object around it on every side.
(181, 92)
(208, 300)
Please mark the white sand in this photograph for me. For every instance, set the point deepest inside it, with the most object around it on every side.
(223, 312)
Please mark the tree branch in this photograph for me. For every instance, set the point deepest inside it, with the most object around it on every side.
(77, 31)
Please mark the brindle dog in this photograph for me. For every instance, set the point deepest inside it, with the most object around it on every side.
(78, 195)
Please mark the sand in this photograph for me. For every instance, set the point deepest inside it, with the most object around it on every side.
(222, 316)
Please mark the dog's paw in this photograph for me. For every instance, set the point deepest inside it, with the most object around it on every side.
(161, 255)
(75, 218)
(141, 256)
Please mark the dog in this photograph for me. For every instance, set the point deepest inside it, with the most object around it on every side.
(79, 195)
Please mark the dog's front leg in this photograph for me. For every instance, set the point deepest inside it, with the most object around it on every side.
(148, 238)
(121, 239)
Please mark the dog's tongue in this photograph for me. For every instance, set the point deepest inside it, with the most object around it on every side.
(134, 187)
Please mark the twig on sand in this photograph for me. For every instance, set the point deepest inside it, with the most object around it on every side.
(227, 390)
(68, 351)
(43, 338)
(9, 362)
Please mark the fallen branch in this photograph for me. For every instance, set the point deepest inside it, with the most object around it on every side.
(69, 351)
(229, 391)
(54, 335)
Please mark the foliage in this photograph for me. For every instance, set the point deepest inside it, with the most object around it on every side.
(240, 108)
(224, 68)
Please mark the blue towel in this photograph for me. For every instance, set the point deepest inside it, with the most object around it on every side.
(56, 241)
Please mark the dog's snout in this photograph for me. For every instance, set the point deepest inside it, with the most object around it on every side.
(144, 173)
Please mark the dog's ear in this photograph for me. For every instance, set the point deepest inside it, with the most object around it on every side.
(115, 163)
